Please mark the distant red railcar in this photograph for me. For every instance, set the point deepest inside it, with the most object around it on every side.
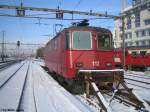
(133, 60)
(82, 50)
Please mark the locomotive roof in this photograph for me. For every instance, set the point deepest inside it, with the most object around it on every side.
(98, 29)
(103, 30)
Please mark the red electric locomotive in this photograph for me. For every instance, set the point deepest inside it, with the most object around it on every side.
(78, 51)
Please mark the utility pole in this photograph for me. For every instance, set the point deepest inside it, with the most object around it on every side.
(123, 42)
(124, 5)
(2, 55)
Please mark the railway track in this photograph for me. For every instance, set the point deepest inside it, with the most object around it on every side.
(138, 85)
(138, 76)
(4, 65)
(142, 75)
(9, 77)
(139, 81)
(14, 86)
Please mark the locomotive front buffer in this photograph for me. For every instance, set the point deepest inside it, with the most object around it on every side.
(111, 83)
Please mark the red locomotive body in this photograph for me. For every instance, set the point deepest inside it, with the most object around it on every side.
(82, 50)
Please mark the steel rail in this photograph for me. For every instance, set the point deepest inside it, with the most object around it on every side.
(137, 85)
(34, 92)
(138, 81)
(22, 92)
(142, 77)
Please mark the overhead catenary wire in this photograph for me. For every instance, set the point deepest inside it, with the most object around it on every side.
(37, 17)
(78, 3)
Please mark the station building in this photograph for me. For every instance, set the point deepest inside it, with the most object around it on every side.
(137, 27)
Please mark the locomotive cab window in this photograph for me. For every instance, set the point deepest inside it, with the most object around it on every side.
(82, 40)
(103, 42)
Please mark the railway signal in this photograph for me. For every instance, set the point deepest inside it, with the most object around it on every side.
(18, 43)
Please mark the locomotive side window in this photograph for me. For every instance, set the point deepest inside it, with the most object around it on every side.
(82, 40)
(103, 42)
(67, 34)
(134, 54)
(143, 53)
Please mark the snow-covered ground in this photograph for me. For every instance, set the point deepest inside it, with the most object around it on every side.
(50, 96)
(43, 94)
(142, 89)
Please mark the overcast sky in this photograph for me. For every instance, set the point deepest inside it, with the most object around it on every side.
(28, 31)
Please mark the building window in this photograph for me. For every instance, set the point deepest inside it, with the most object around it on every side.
(130, 43)
(149, 42)
(143, 33)
(120, 28)
(137, 20)
(126, 36)
(121, 37)
(137, 43)
(126, 44)
(121, 44)
(137, 34)
(143, 43)
(147, 22)
(129, 23)
(137, 24)
(130, 35)
(148, 32)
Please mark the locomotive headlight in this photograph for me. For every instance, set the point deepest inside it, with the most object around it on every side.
(79, 64)
(108, 64)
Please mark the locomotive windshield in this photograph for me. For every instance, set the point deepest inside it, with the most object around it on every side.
(103, 42)
(82, 40)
